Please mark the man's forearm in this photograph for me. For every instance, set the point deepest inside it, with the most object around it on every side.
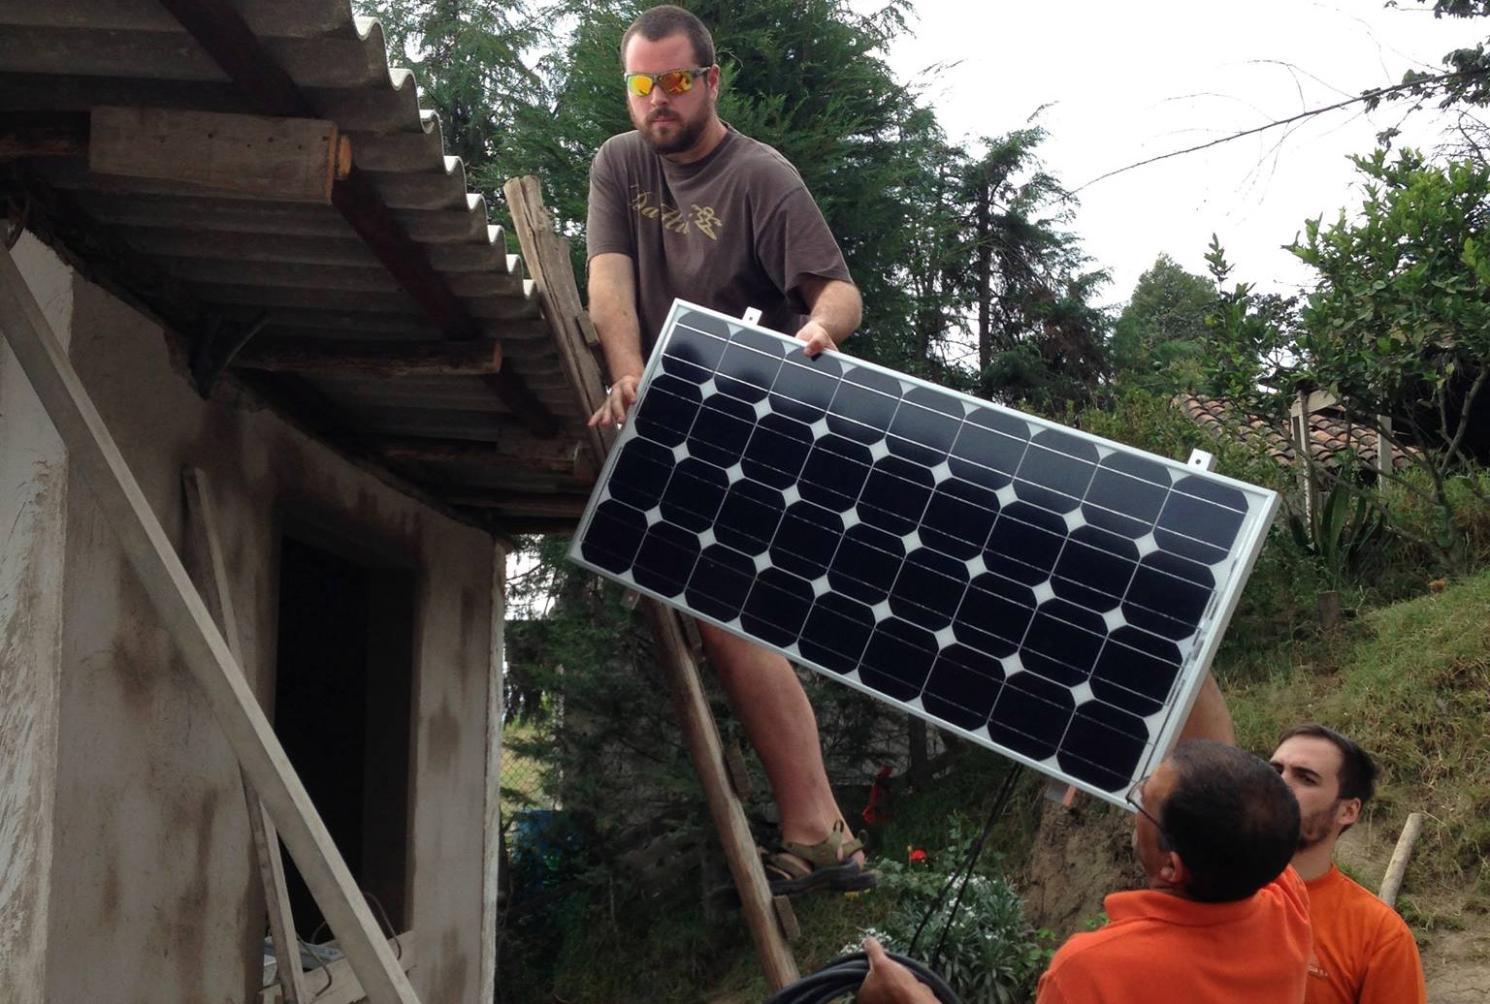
(1209, 716)
(620, 340)
(613, 311)
(838, 308)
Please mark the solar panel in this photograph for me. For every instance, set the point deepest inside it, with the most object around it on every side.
(1046, 593)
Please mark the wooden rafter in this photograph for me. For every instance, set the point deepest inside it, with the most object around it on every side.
(567, 507)
(42, 134)
(537, 455)
(377, 358)
(284, 159)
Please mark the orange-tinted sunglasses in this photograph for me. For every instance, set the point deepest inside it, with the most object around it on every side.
(672, 82)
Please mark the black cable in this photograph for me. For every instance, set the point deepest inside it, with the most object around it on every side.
(966, 869)
(845, 975)
(999, 804)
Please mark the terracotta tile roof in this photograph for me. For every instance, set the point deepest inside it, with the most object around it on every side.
(1332, 435)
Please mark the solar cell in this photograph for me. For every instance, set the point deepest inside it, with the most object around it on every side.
(1038, 590)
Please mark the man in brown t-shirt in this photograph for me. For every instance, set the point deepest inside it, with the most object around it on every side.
(687, 207)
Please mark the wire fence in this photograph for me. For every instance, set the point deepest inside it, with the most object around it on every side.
(523, 775)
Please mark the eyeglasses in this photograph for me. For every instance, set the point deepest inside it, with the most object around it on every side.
(673, 82)
(1135, 799)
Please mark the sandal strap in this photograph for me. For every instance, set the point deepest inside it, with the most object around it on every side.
(831, 850)
(789, 865)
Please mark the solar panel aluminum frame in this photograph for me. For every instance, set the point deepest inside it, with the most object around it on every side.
(1211, 626)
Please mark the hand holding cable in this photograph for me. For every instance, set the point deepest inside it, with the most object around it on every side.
(880, 977)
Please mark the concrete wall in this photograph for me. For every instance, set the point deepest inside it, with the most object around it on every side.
(153, 894)
(33, 496)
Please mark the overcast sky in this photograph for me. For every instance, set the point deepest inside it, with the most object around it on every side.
(1126, 81)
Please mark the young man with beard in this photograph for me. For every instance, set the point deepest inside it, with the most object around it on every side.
(684, 206)
(1363, 951)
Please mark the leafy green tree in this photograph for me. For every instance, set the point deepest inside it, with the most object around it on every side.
(1402, 314)
(1040, 342)
(1397, 329)
(1465, 79)
(470, 60)
(1159, 341)
(1252, 352)
(1399, 326)
(576, 104)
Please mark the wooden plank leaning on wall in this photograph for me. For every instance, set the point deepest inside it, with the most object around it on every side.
(94, 455)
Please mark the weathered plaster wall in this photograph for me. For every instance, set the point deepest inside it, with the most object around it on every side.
(33, 492)
(154, 897)
(491, 851)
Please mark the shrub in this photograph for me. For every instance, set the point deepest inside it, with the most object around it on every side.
(990, 954)
(1418, 521)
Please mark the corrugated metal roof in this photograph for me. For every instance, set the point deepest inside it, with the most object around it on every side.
(302, 266)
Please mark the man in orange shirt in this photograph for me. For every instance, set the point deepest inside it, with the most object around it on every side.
(1363, 951)
(1224, 918)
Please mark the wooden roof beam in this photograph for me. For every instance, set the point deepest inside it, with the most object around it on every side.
(220, 29)
(372, 358)
(545, 456)
(43, 134)
(285, 159)
(522, 504)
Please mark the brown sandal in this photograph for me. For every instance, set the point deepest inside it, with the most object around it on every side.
(798, 868)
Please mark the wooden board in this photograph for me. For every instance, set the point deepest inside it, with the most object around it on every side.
(547, 257)
(212, 573)
(94, 455)
(371, 358)
(545, 456)
(285, 159)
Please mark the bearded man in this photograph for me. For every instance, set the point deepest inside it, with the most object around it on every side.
(686, 207)
(1363, 951)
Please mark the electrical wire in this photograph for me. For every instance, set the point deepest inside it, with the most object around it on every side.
(845, 975)
(965, 871)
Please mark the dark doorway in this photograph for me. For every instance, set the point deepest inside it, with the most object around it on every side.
(342, 708)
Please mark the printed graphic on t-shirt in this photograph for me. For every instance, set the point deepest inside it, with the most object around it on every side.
(671, 218)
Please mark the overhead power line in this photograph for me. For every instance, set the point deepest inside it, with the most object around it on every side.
(1370, 95)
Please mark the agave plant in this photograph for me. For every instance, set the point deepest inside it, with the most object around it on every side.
(1339, 530)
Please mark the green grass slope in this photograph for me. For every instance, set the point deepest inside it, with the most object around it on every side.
(1411, 683)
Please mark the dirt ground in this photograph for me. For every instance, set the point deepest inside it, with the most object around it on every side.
(1081, 854)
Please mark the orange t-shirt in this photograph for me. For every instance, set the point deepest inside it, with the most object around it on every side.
(1363, 951)
(1158, 948)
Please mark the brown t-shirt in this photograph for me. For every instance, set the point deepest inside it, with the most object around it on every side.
(735, 230)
